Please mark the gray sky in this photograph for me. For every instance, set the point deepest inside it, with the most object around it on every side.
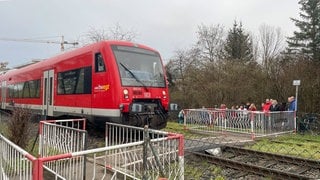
(166, 25)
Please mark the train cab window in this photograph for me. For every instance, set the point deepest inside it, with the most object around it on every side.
(99, 63)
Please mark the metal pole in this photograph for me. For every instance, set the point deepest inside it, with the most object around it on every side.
(296, 83)
(145, 146)
(296, 102)
(296, 110)
(62, 43)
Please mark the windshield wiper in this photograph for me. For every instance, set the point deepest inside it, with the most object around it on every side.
(135, 77)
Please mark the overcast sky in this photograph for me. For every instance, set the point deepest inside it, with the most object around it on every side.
(166, 25)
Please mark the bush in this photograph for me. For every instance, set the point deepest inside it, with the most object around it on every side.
(19, 126)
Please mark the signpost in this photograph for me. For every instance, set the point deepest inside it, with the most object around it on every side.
(297, 84)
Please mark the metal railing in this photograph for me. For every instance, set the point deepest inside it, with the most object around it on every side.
(156, 154)
(254, 123)
(59, 137)
(15, 163)
(130, 153)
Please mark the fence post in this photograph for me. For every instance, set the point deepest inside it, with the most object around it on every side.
(269, 123)
(185, 119)
(181, 157)
(35, 169)
(40, 169)
(145, 146)
(252, 125)
(295, 121)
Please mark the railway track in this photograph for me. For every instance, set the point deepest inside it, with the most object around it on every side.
(264, 164)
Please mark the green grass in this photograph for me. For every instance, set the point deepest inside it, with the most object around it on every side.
(179, 128)
(3, 128)
(174, 127)
(197, 172)
(305, 146)
(298, 145)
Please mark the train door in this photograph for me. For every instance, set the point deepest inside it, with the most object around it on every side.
(3, 94)
(101, 83)
(47, 104)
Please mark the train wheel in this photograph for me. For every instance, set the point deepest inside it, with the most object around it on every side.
(157, 122)
(133, 120)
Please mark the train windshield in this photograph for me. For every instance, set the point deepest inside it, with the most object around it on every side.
(139, 67)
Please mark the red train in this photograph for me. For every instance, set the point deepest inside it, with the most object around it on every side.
(113, 81)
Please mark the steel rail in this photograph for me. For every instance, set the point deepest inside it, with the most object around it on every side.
(281, 158)
(250, 168)
(261, 170)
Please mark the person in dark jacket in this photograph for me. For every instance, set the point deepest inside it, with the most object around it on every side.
(283, 106)
(274, 106)
(292, 103)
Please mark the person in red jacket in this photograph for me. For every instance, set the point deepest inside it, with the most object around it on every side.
(252, 107)
(266, 105)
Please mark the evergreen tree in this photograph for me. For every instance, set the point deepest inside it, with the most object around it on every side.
(306, 41)
(238, 44)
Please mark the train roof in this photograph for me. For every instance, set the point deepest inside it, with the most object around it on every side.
(72, 53)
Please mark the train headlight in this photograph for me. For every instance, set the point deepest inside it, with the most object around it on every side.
(164, 94)
(126, 93)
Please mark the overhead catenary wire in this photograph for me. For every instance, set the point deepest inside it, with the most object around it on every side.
(34, 40)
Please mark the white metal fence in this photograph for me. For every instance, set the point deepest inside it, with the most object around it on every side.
(254, 123)
(156, 154)
(130, 153)
(60, 137)
(15, 163)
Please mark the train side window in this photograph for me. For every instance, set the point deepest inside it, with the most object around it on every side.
(34, 88)
(11, 91)
(16, 91)
(26, 90)
(99, 63)
(76, 81)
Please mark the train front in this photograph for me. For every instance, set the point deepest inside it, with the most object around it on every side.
(144, 99)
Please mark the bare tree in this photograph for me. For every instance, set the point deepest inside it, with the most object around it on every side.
(180, 63)
(96, 35)
(210, 41)
(183, 61)
(271, 46)
(255, 47)
(178, 68)
(118, 33)
(204, 80)
(272, 42)
(3, 66)
(114, 33)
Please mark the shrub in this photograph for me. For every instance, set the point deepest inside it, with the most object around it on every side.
(19, 126)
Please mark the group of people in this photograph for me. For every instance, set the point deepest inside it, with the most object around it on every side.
(248, 106)
(273, 105)
(268, 105)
